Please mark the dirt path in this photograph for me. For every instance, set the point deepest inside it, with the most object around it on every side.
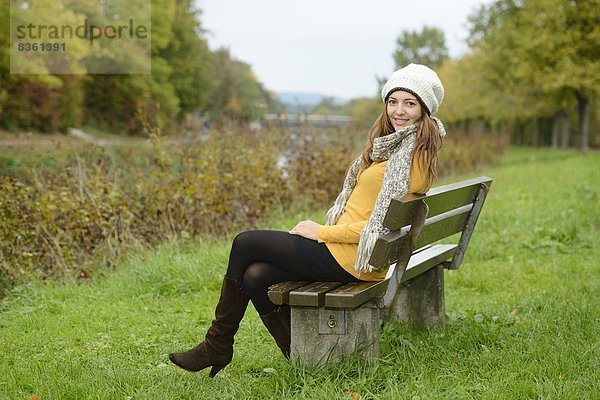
(40, 140)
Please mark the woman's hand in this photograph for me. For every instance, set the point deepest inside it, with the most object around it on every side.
(307, 229)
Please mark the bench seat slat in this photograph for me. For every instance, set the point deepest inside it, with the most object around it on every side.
(420, 249)
(354, 294)
(279, 293)
(313, 294)
(428, 259)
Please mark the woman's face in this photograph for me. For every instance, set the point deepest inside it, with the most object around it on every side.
(403, 109)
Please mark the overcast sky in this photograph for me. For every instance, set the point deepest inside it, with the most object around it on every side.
(330, 47)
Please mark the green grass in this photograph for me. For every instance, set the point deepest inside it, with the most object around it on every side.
(523, 317)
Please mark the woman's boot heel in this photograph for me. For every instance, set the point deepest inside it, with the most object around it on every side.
(215, 370)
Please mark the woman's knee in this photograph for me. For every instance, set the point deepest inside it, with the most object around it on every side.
(256, 277)
(244, 240)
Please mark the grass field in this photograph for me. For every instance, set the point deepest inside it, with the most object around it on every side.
(523, 314)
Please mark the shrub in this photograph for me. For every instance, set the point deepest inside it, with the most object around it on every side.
(93, 204)
(462, 153)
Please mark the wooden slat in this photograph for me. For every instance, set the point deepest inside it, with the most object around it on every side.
(279, 293)
(386, 248)
(444, 225)
(465, 237)
(354, 294)
(313, 294)
(422, 262)
(401, 211)
(439, 200)
(438, 227)
(420, 249)
(448, 197)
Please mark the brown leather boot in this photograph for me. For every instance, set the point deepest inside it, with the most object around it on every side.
(278, 325)
(217, 348)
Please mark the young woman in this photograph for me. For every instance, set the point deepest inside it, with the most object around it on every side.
(400, 157)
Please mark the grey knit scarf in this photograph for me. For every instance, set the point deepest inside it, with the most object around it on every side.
(397, 149)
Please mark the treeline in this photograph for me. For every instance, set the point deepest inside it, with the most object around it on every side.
(187, 80)
(532, 73)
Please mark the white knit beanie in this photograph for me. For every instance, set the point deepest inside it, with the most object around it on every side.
(419, 80)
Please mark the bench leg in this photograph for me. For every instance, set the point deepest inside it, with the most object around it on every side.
(323, 335)
(420, 301)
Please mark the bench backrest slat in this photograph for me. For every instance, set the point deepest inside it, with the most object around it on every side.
(428, 259)
(437, 227)
(386, 248)
(439, 200)
(449, 208)
(444, 225)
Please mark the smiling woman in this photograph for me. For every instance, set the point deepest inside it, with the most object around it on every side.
(403, 109)
(400, 157)
(410, 96)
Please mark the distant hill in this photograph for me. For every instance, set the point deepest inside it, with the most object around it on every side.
(304, 102)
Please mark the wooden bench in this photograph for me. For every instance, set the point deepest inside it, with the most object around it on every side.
(331, 319)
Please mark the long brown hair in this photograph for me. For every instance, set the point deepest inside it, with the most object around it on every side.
(427, 143)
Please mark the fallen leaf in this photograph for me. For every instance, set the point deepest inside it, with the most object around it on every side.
(353, 395)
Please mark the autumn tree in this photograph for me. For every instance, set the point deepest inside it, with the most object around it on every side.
(185, 77)
(192, 74)
(121, 102)
(468, 98)
(40, 100)
(425, 47)
(237, 94)
(544, 52)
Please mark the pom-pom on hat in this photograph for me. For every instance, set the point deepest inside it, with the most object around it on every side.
(419, 80)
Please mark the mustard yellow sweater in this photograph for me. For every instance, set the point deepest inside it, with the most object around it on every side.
(342, 238)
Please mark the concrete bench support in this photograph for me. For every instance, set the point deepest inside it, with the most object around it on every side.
(420, 301)
(324, 334)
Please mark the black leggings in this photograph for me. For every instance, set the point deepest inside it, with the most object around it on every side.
(259, 259)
